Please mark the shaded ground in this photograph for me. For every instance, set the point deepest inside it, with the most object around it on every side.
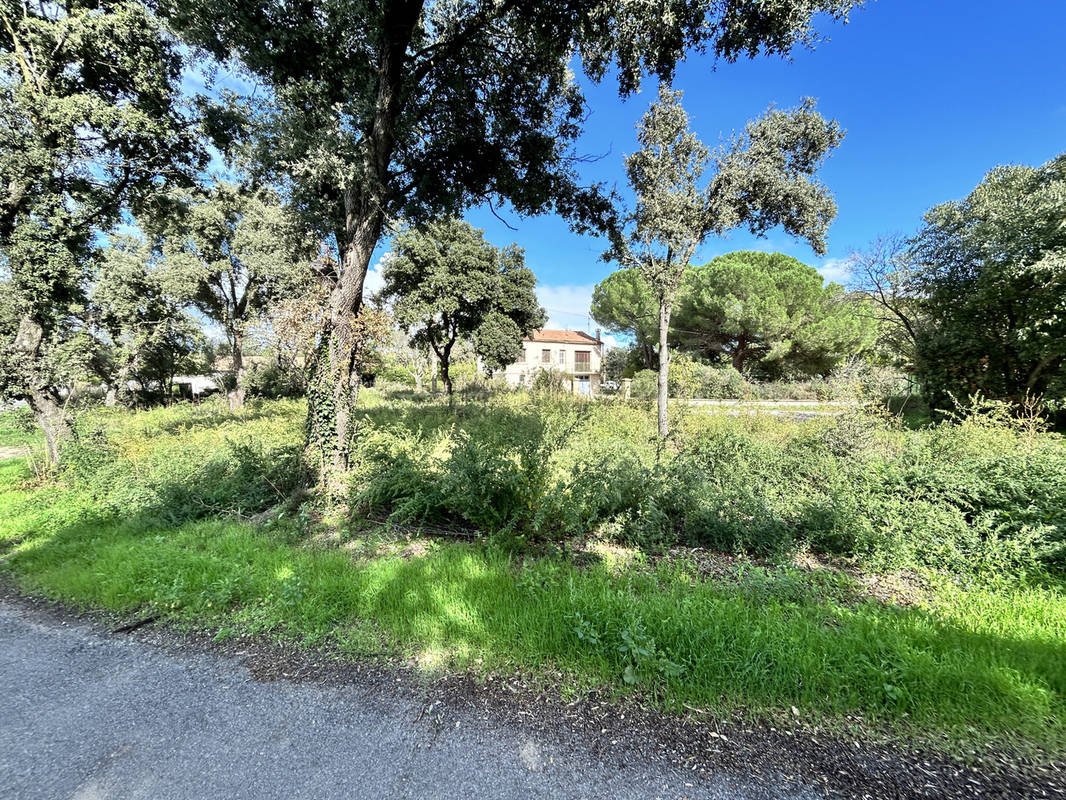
(156, 712)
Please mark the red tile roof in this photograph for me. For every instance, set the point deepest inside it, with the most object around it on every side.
(562, 337)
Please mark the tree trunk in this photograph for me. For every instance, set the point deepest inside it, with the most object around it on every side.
(53, 420)
(334, 379)
(44, 402)
(664, 364)
(236, 397)
(445, 377)
(740, 354)
(333, 376)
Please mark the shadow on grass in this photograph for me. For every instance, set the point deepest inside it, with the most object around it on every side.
(996, 667)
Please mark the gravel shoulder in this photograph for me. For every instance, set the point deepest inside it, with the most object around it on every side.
(155, 712)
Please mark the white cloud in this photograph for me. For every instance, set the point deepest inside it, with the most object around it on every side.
(567, 306)
(836, 270)
(374, 280)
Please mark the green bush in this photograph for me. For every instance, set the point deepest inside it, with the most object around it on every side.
(162, 468)
(272, 381)
(18, 427)
(645, 385)
(981, 492)
(974, 494)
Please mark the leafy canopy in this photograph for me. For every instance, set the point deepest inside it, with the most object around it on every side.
(769, 310)
(447, 284)
(414, 108)
(622, 303)
(233, 253)
(142, 332)
(89, 129)
(761, 179)
(992, 277)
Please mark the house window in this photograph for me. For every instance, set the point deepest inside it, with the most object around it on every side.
(546, 356)
(522, 356)
(582, 360)
(562, 358)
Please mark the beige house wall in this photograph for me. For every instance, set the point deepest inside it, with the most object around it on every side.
(562, 357)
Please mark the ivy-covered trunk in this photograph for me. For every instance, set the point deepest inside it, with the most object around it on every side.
(236, 397)
(333, 379)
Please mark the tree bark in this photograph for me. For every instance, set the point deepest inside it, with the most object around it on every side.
(53, 419)
(236, 397)
(334, 379)
(665, 307)
(446, 378)
(740, 355)
(43, 400)
(333, 376)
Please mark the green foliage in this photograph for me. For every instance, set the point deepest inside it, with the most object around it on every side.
(273, 381)
(770, 312)
(972, 660)
(622, 303)
(447, 284)
(187, 462)
(91, 129)
(549, 382)
(17, 427)
(762, 179)
(234, 253)
(645, 385)
(993, 289)
(145, 336)
(973, 495)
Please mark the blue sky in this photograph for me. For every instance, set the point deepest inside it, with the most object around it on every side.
(933, 93)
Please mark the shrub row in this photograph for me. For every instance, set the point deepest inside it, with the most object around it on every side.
(977, 493)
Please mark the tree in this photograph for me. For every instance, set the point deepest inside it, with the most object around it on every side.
(615, 362)
(232, 254)
(447, 284)
(408, 109)
(411, 358)
(762, 178)
(991, 278)
(771, 310)
(884, 274)
(89, 128)
(622, 303)
(145, 336)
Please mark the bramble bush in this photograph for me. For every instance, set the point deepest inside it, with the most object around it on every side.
(983, 491)
(977, 493)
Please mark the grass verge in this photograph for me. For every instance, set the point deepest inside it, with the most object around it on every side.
(975, 663)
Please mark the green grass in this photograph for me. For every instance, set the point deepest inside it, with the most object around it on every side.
(978, 660)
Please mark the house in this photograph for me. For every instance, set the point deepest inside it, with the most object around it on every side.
(574, 354)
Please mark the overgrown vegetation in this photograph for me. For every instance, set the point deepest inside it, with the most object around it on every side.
(196, 512)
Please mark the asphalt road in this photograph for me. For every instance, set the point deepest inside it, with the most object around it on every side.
(84, 715)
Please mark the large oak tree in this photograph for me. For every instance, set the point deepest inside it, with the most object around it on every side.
(406, 108)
